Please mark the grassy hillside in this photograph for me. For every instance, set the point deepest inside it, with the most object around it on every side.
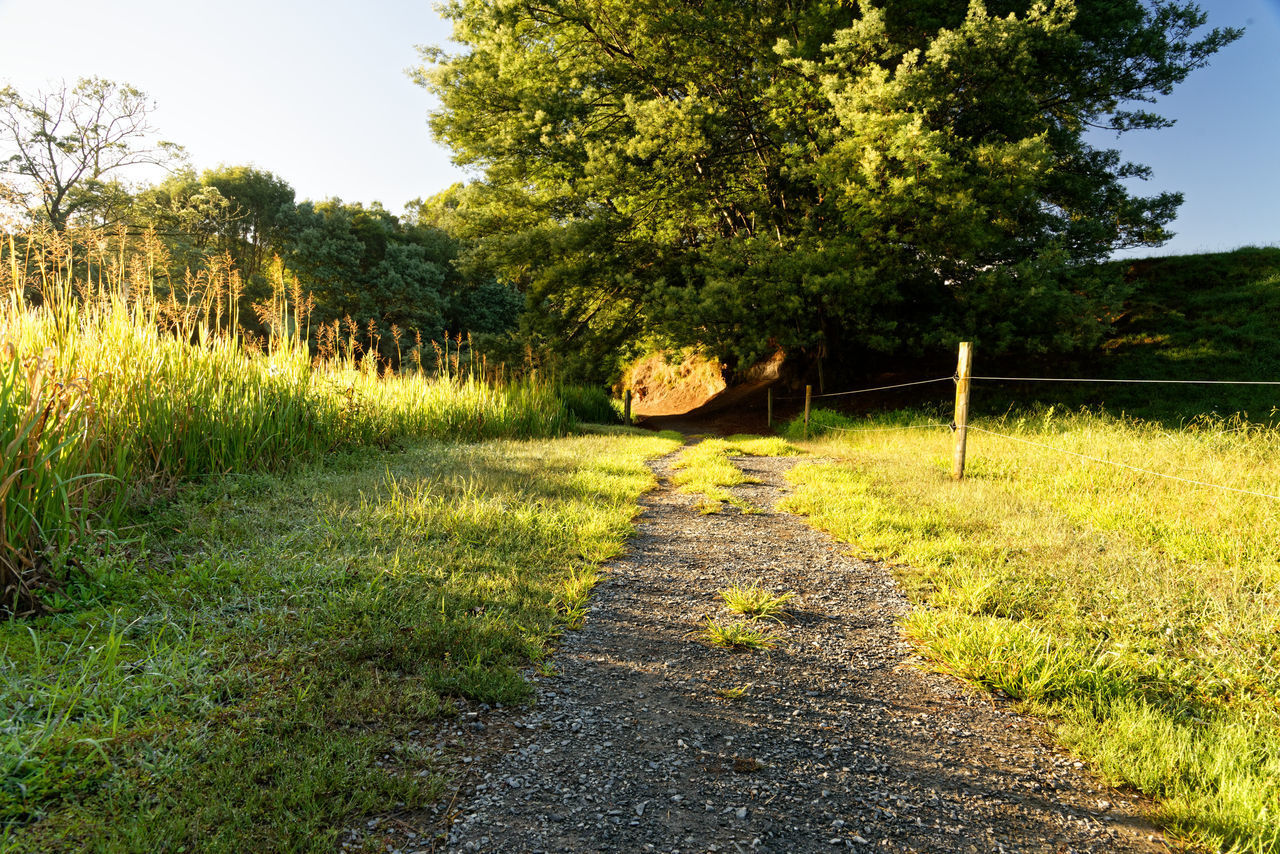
(1212, 316)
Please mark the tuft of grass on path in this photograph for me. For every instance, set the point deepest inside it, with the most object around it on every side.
(752, 600)
(1141, 614)
(737, 637)
(266, 663)
(706, 468)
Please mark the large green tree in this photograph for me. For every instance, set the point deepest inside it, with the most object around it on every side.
(262, 214)
(884, 174)
(361, 265)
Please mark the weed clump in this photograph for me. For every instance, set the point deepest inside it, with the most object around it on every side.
(757, 603)
(737, 636)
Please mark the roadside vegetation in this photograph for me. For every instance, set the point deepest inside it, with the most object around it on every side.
(705, 468)
(261, 664)
(1138, 613)
(112, 392)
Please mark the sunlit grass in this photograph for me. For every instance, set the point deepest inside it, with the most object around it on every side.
(110, 394)
(752, 600)
(705, 469)
(1141, 613)
(738, 637)
(250, 673)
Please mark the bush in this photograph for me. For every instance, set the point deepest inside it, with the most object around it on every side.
(590, 404)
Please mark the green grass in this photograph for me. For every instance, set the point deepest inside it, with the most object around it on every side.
(706, 469)
(591, 404)
(752, 600)
(737, 637)
(1141, 614)
(266, 662)
(110, 395)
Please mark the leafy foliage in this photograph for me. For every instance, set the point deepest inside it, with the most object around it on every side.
(63, 151)
(819, 176)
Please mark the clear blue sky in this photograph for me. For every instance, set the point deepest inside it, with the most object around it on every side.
(315, 91)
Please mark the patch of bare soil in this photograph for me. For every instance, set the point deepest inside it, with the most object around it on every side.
(649, 739)
(662, 387)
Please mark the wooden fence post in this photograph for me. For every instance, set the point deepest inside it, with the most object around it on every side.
(770, 408)
(964, 369)
(808, 396)
(626, 407)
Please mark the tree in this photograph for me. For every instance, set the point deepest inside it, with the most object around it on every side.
(884, 175)
(262, 214)
(360, 264)
(63, 151)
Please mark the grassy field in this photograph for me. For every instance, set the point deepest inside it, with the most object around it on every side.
(112, 393)
(263, 663)
(1140, 614)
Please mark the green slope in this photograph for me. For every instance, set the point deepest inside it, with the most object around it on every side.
(1211, 316)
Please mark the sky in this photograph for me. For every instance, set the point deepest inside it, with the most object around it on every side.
(316, 92)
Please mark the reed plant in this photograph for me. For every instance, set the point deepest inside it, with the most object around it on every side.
(115, 384)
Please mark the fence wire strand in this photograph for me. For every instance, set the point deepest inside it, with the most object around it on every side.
(1125, 465)
(882, 429)
(1149, 382)
(866, 390)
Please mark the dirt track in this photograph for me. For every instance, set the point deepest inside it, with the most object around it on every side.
(838, 740)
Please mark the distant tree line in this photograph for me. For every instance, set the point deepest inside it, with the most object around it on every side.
(64, 158)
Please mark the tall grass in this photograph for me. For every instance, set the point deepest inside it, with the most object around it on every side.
(112, 386)
(1141, 613)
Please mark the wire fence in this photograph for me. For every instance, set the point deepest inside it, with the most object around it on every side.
(1109, 380)
(888, 429)
(953, 378)
(868, 390)
(1101, 460)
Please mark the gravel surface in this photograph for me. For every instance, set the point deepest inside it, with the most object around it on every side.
(838, 739)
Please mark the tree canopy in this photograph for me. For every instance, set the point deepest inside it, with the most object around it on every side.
(64, 152)
(887, 175)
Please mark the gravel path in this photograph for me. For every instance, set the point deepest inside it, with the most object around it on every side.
(838, 741)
